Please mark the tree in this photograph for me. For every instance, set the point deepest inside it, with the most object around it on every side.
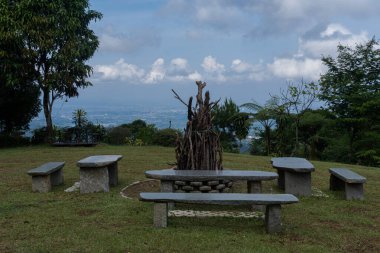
(231, 123)
(266, 116)
(56, 42)
(296, 99)
(351, 89)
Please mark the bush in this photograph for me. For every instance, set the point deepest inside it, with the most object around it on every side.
(118, 135)
(13, 140)
(166, 137)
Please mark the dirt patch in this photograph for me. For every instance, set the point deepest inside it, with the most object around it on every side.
(133, 190)
(86, 212)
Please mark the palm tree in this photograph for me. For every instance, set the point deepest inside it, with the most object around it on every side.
(266, 116)
(80, 121)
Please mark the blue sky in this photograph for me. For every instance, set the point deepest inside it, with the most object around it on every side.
(242, 49)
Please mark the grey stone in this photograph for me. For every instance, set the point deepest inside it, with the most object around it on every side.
(255, 187)
(180, 182)
(41, 183)
(195, 191)
(298, 183)
(160, 216)
(294, 164)
(46, 168)
(354, 191)
(227, 189)
(273, 218)
(349, 181)
(220, 186)
(180, 191)
(205, 188)
(214, 191)
(205, 175)
(94, 180)
(56, 177)
(175, 187)
(187, 188)
(222, 198)
(113, 174)
(272, 201)
(347, 175)
(212, 183)
(73, 188)
(98, 161)
(197, 184)
(229, 184)
(167, 186)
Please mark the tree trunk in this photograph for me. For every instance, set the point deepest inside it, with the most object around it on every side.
(47, 111)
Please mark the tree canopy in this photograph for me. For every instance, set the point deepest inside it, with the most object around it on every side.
(55, 41)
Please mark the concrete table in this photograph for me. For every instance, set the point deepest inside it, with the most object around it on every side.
(253, 178)
(294, 175)
(97, 173)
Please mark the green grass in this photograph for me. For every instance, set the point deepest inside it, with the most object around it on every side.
(106, 222)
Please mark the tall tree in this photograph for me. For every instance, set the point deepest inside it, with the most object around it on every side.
(351, 88)
(296, 99)
(56, 41)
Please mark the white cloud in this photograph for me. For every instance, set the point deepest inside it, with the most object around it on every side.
(329, 39)
(309, 69)
(179, 63)
(157, 72)
(195, 76)
(120, 70)
(214, 69)
(245, 70)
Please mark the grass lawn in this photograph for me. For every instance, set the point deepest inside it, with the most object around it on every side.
(106, 222)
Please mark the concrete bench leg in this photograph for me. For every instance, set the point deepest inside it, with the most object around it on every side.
(167, 186)
(298, 183)
(57, 177)
(41, 183)
(281, 179)
(113, 174)
(336, 184)
(94, 180)
(354, 191)
(273, 219)
(160, 216)
(255, 187)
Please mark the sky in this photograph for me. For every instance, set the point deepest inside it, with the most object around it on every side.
(246, 50)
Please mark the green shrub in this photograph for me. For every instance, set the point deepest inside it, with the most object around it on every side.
(166, 137)
(118, 135)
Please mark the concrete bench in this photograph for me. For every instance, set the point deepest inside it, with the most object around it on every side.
(349, 181)
(294, 175)
(272, 202)
(97, 173)
(46, 176)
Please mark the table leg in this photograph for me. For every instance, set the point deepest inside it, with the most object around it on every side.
(167, 186)
(255, 187)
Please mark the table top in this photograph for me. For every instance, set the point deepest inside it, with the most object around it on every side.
(98, 161)
(171, 174)
(295, 164)
(46, 168)
(219, 198)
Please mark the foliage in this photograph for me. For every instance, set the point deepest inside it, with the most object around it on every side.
(166, 137)
(231, 124)
(351, 88)
(56, 42)
(118, 135)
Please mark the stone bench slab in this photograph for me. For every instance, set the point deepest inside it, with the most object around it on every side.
(271, 201)
(347, 175)
(294, 164)
(204, 175)
(98, 161)
(46, 169)
(219, 198)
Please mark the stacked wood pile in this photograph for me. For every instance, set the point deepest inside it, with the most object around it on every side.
(199, 148)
